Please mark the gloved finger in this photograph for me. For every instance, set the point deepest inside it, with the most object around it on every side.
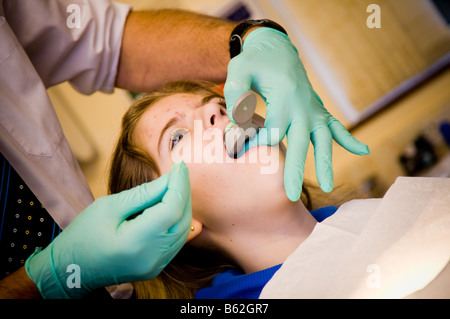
(173, 243)
(276, 126)
(134, 200)
(237, 83)
(297, 148)
(159, 233)
(162, 216)
(261, 138)
(180, 231)
(346, 140)
(317, 97)
(323, 147)
(182, 227)
(177, 235)
(274, 130)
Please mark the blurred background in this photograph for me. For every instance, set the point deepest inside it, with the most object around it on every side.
(390, 86)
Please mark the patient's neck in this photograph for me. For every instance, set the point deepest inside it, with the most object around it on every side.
(270, 239)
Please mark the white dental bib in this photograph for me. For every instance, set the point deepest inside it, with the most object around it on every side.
(375, 248)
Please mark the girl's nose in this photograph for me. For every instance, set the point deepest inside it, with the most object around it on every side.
(212, 114)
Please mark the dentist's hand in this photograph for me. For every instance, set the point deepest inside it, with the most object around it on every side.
(108, 248)
(269, 64)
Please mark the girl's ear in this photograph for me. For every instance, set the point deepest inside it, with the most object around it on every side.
(196, 229)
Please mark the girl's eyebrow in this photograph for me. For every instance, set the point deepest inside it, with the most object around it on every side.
(208, 98)
(172, 122)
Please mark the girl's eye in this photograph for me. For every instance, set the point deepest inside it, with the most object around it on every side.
(221, 102)
(177, 135)
(223, 109)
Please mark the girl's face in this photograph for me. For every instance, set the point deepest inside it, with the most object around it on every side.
(225, 192)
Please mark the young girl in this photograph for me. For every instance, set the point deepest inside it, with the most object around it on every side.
(243, 224)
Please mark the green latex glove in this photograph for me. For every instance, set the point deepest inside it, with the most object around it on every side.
(269, 64)
(110, 249)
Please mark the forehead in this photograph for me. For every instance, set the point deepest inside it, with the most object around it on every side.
(159, 113)
(175, 101)
(175, 105)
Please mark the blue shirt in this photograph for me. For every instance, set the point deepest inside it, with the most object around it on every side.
(233, 284)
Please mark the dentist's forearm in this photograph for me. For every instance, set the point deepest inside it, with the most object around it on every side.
(167, 45)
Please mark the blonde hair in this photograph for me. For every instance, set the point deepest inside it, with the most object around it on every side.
(131, 166)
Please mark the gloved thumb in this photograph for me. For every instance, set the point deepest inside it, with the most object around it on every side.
(238, 82)
(137, 199)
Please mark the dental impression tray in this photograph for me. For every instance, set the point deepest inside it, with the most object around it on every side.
(237, 134)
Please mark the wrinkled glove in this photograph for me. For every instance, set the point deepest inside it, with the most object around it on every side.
(269, 64)
(108, 248)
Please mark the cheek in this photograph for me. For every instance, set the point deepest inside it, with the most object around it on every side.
(238, 181)
(165, 164)
(219, 189)
(207, 183)
(215, 193)
(182, 151)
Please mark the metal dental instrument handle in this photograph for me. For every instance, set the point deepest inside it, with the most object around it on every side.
(244, 129)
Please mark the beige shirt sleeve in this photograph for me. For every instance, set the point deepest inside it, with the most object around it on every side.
(77, 41)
